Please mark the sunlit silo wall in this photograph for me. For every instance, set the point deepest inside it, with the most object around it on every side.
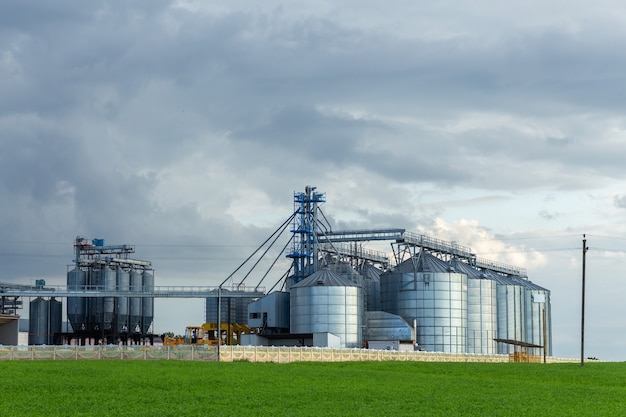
(481, 309)
(426, 289)
(511, 311)
(347, 272)
(537, 305)
(325, 302)
(45, 320)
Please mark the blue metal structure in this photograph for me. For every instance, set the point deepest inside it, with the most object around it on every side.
(305, 230)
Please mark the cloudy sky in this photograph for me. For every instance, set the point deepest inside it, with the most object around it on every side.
(185, 127)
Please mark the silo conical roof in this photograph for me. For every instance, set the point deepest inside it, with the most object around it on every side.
(324, 277)
(370, 272)
(463, 268)
(423, 262)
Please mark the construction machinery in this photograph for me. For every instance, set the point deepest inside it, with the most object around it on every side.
(207, 334)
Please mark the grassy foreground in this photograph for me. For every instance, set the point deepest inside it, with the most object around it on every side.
(181, 388)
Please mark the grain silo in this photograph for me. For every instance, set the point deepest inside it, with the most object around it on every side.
(325, 302)
(77, 306)
(371, 283)
(537, 317)
(426, 289)
(122, 303)
(511, 311)
(107, 271)
(481, 309)
(45, 320)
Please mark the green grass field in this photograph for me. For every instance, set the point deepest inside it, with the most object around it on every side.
(181, 388)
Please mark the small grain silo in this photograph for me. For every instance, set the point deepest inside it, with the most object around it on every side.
(45, 321)
(77, 306)
(228, 307)
(147, 303)
(122, 303)
(134, 303)
(109, 283)
(95, 304)
(324, 302)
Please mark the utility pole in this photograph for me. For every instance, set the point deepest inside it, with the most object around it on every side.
(582, 324)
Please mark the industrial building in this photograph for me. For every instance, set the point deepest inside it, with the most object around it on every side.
(425, 294)
(433, 295)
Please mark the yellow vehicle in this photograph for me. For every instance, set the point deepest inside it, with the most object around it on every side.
(207, 335)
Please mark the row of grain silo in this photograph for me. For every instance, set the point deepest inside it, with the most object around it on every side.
(115, 314)
(452, 306)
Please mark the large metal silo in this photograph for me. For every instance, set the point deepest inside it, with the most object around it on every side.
(134, 303)
(425, 289)
(511, 315)
(121, 303)
(371, 284)
(325, 302)
(482, 308)
(77, 306)
(147, 304)
(537, 317)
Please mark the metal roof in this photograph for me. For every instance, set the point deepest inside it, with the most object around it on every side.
(324, 277)
(424, 262)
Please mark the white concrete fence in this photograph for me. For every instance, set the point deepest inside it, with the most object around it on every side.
(238, 353)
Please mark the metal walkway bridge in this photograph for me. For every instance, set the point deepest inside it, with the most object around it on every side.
(156, 292)
(401, 236)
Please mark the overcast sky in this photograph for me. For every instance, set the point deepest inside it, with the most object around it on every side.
(185, 127)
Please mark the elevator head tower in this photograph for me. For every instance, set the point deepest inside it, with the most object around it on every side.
(305, 249)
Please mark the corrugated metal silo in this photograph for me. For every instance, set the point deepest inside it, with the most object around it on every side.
(511, 308)
(228, 307)
(95, 311)
(38, 322)
(371, 284)
(482, 306)
(45, 320)
(109, 282)
(147, 304)
(121, 303)
(134, 303)
(77, 306)
(241, 309)
(56, 320)
(325, 302)
(537, 304)
(423, 288)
